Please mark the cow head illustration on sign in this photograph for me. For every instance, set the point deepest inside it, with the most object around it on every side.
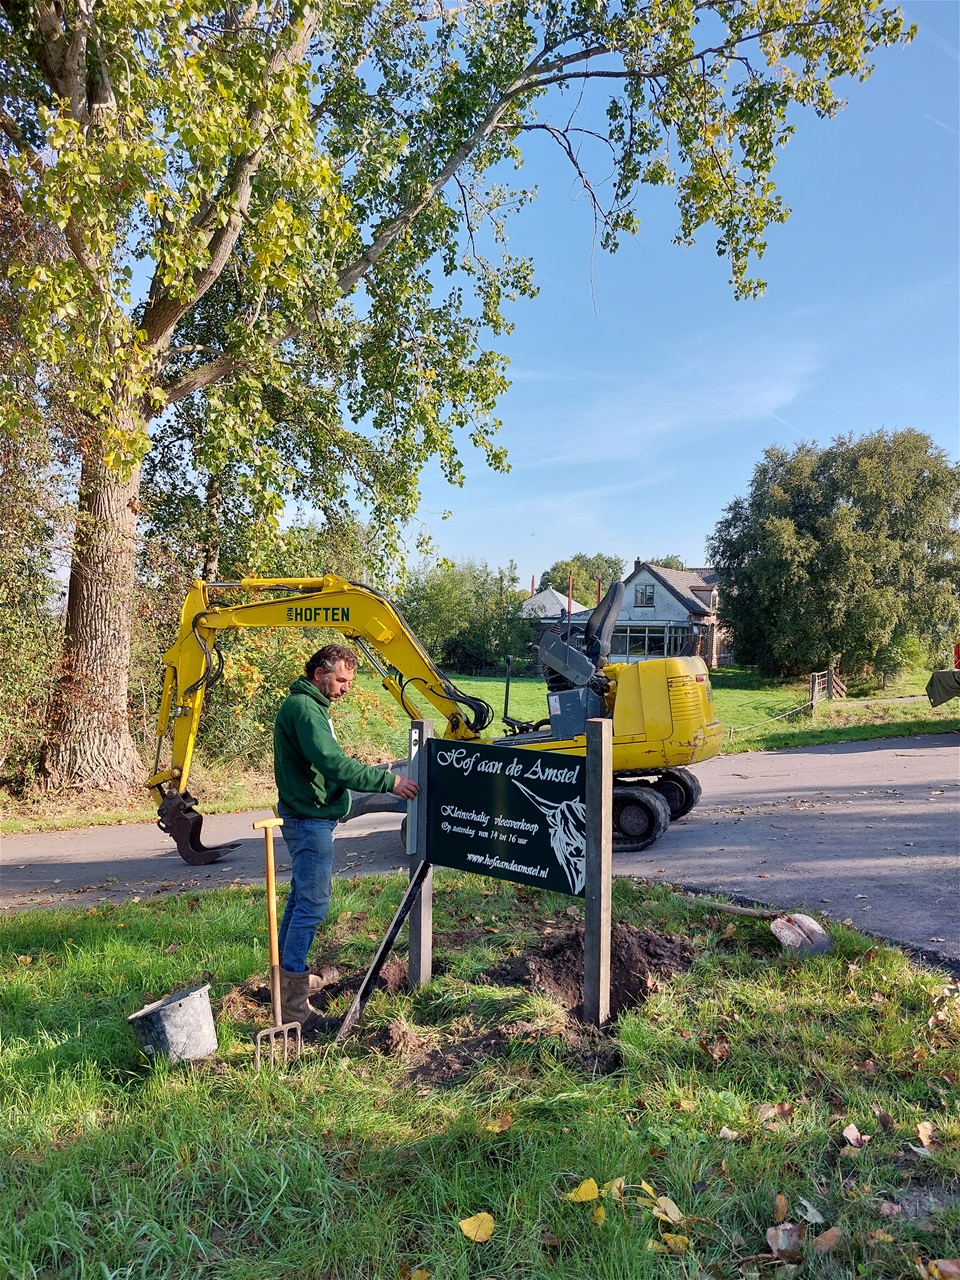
(566, 822)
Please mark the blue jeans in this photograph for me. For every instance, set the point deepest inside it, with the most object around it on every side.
(310, 843)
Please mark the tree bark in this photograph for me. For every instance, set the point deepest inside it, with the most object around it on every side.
(89, 743)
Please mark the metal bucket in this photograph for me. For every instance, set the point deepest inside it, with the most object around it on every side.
(180, 1026)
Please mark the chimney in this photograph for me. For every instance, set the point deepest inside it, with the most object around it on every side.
(533, 590)
(636, 565)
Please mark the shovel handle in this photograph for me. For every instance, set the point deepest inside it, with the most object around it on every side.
(267, 826)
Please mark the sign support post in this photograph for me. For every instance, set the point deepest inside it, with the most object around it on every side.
(420, 925)
(599, 873)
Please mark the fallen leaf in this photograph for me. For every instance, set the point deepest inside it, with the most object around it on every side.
(786, 1240)
(598, 1215)
(686, 1104)
(718, 1049)
(883, 1237)
(884, 1119)
(665, 1209)
(889, 1209)
(775, 1110)
(729, 1133)
(868, 1068)
(587, 1190)
(174, 946)
(501, 1124)
(676, 1244)
(828, 1240)
(921, 1151)
(24, 959)
(479, 1228)
(945, 1268)
(926, 1133)
(810, 1214)
(654, 1246)
(645, 1186)
(728, 932)
(848, 921)
(615, 1187)
(855, 1138)
(780, 1208)
(419, 1274)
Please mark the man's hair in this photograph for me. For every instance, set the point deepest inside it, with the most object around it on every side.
(328, 658)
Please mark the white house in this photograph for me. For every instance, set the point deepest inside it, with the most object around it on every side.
(667, 613)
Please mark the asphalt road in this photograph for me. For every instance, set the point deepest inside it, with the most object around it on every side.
(868, 831)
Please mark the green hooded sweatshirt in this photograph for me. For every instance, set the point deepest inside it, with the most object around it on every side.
(314, 774)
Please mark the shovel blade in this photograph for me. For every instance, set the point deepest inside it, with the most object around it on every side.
(802, 934)
(274, 1042)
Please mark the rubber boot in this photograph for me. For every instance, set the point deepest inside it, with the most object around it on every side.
(295, 1004)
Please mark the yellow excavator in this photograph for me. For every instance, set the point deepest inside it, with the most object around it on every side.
(662, 709)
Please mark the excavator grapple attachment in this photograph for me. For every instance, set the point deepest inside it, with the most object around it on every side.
(179, 819)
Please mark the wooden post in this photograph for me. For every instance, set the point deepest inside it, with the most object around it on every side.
(830, 686)
(420, 932)
(599, 873)
(813, 688)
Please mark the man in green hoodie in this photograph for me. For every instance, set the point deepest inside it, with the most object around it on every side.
(314, 779)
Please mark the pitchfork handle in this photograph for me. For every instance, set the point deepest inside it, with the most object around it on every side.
(266, 826)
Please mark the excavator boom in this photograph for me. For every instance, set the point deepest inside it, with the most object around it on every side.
(193, 665)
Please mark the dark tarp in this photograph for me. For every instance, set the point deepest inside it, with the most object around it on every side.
(942, 686)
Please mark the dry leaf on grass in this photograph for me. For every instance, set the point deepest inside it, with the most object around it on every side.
(730, 1134)
(945, 1269)
(665, 1209)
(786, 1240)
(884, 1119)
(856, 1140)
(598, 1215)
(775, 1111)
(828, 1240)
(718, 1050)
(479, 1228)
(616, 1187)
(501, 1124)
(810, 1214)
(780, 1208)
(926, 1132)
(587, 1190)
(889, 1209)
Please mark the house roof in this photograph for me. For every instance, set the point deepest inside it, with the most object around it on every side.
(547, 604)
(679, 582)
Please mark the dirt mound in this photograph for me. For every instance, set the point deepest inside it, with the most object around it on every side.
(637, 961)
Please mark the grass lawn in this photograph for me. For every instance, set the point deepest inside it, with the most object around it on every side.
(743, 1090)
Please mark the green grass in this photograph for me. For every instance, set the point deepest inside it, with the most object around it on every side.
(344, 1165)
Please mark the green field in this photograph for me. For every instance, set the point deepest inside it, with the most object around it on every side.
(729, 1090)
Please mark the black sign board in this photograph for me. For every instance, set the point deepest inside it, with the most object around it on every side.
(507, 812)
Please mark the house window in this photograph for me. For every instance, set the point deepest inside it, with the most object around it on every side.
(643, 596)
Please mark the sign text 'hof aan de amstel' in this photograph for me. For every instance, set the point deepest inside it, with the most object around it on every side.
(513, 814)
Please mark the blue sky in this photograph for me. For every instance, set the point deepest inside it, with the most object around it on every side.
(643, 394)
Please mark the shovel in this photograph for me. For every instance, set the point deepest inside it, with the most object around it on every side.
(795, 932)
(282, 1037)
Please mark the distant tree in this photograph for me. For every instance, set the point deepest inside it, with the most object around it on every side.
(842, 553)
(585, 570)
(667, 562)
(466, 615)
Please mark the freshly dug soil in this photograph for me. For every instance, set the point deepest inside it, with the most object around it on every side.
(554, 966)
(637, 961)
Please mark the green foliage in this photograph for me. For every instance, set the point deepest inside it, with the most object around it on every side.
(670, 561)
(467, 615)
(585, 569)
(849, 553)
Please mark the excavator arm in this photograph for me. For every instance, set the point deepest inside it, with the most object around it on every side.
(193, 665)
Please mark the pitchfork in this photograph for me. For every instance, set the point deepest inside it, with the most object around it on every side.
(280, 1033)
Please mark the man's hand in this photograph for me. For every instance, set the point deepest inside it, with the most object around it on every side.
(405, 788)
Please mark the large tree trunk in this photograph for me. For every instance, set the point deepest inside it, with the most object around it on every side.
(89, 742)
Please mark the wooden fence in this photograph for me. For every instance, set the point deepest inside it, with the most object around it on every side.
(826, 684)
